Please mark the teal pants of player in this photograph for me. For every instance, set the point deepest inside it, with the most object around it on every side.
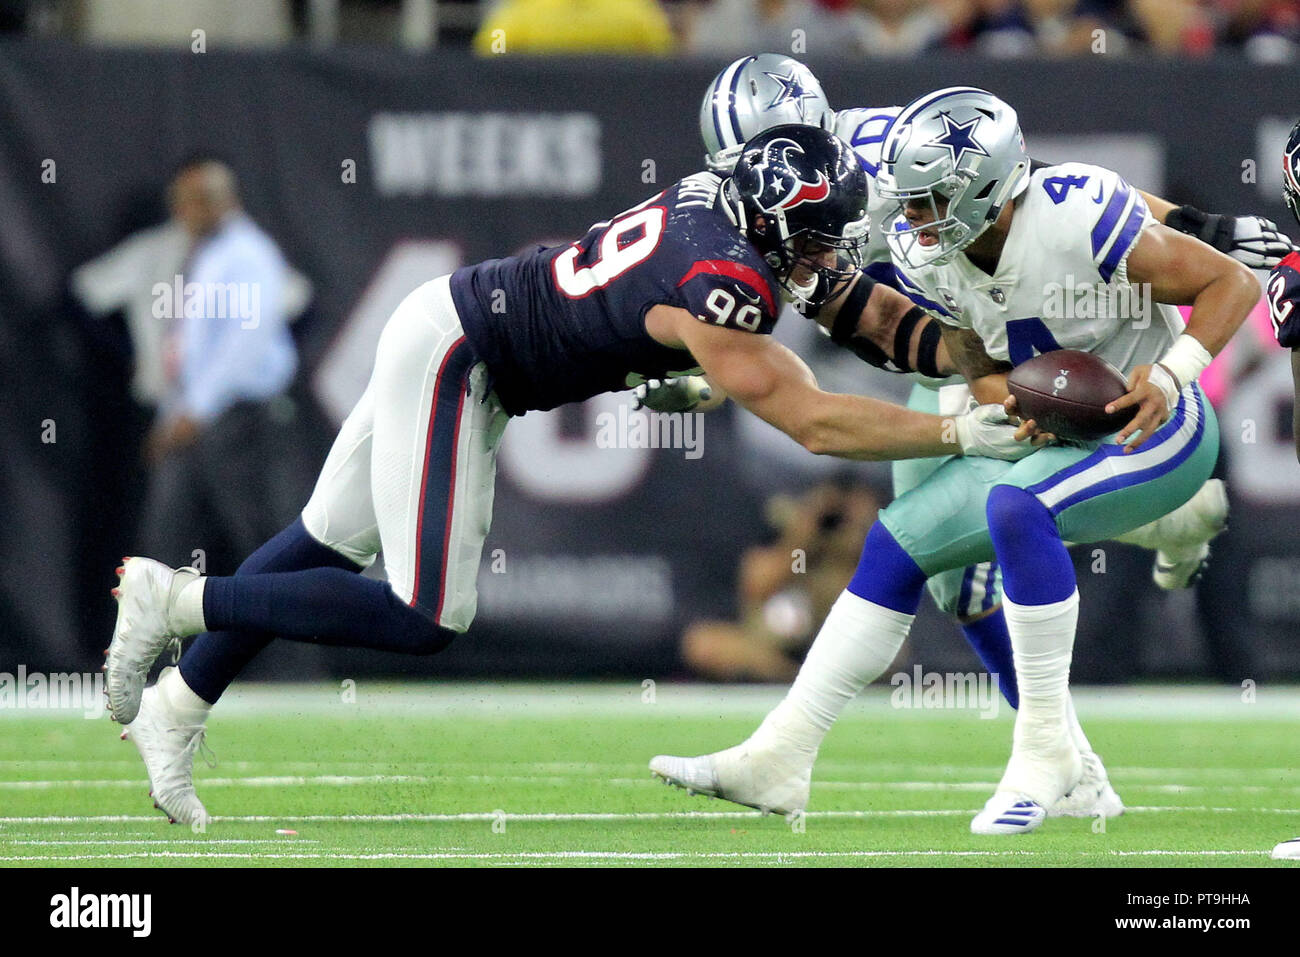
(963, 593)
(1093, 492)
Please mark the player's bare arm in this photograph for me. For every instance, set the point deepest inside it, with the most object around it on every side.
(878, 324)
(1221, 291)
(987, 376)
(881, 325)
(776, 385)
(1253, 240)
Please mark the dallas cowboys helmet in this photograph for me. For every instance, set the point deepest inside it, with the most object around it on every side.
(1291, 172)
(960, 145)
(798, 193)
(754, 94)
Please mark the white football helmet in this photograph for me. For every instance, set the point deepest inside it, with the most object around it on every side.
(752, 95)
(960, 145)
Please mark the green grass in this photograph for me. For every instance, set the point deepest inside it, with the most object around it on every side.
(542, 775)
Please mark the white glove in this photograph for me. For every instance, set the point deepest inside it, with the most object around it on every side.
(987, 430)
(680, 394)
(1257, 242)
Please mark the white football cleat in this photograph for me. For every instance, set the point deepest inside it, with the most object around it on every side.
(1287, 850)
(1034, 780)
(1008, 812)
(1184, 536)
(1092, 796)
(767, 780)
(168, 748)
(144, 596)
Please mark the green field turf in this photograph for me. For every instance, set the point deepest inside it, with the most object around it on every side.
(537, 775)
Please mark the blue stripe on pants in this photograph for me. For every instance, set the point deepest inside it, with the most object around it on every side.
(438, 484)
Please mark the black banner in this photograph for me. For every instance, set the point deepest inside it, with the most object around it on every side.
(376, 171)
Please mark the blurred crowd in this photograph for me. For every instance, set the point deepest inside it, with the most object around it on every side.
(1263, 30)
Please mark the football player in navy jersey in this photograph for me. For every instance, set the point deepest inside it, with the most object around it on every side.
(690, 279)
(1284, 280)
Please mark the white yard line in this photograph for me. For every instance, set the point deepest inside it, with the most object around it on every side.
(562, 816)
(111, 842)
(355, 780)
(776, 856)
(625, 699)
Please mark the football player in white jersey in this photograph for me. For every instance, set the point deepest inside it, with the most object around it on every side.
(994, 242)
(757, 91)
(990, 244)
(763, 90)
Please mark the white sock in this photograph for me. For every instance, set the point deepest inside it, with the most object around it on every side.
(180, 699)
(1042, 641)
(856, 643)
(185, 616)
(1145, 536)
(1177, 533)
(1076, 730)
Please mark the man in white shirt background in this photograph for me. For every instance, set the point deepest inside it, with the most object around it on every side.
(208, 299)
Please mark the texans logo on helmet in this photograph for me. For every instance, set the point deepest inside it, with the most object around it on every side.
(783, 185)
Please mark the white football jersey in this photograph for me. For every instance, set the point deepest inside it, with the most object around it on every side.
(864, 129)
(1062, 280)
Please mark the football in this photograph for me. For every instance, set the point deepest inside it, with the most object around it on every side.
(1066, 391)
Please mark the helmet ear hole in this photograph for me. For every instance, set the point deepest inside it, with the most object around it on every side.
(748, 179)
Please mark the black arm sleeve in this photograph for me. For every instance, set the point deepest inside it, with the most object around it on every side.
(1213, 229)
(844, 331)
(927, 354)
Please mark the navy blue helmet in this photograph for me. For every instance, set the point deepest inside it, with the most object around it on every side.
(799, 192)
(1291, 172)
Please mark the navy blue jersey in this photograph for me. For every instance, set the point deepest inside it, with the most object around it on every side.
(1284, 300)
(562, 324)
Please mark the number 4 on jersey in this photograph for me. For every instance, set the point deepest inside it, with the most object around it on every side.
(1027, 338)
(1058, 187)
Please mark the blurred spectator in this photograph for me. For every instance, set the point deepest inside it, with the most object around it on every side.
(1265, 30)
(574, 26)
(902, 27)
(124, 279)
(208, 298)
(786, 588)
(798, 27)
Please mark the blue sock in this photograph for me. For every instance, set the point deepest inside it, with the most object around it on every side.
(325, 606)
(213, 659)
(1036, 568)
(992, 643)
(887, 575)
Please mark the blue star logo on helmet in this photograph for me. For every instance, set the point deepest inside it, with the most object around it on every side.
(792, 91)
(959, 139)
